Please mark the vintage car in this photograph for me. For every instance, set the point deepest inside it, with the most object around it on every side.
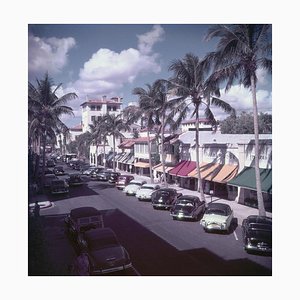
(83, 218)
(113, 177)
(105, 253)
(48, 180)
(75, 180)
(59, 186)
(123, 180)
(257, 234)
(88, 170)
(146, 191)
(95, 172)
(103, 175)
(58, 171)
(164, 198)
(217, 216)
(50, 163)
(187, 207)
(133, 187)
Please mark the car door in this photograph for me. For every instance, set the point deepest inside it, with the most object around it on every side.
(230, 216)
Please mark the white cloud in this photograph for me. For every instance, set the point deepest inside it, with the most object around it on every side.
(48, 54)
(147, 40)
(107, 71)
(241, 100)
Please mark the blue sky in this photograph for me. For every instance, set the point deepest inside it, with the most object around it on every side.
(95, 60)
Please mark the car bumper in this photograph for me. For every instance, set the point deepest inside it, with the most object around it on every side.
(181, 216)
(161, 205)
(111, 270)
(214, 226)
(256, 248)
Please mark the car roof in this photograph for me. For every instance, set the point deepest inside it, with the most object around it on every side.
(259, 219)
(136, 181)
(167, 190)
(82, 212)
(188, 197)
(218, 205)
(99, 233)
(149, 185)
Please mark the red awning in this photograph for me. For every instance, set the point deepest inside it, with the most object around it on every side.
(183, 168)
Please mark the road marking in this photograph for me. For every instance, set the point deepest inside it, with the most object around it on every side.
(235, 236)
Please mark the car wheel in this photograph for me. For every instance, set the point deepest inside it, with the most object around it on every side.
(174, 218)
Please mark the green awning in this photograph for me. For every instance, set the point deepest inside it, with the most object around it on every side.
(246, 179)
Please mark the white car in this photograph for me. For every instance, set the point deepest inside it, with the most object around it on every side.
(133, 187)
(146, 191)
(217, 216)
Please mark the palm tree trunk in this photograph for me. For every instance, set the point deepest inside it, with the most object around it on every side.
(163, 151)
(104, 158)
(200, 186)
(114, 159)
(260, 200)
(44, 157)
(149, 151)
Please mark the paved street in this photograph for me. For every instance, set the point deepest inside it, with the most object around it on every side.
(157, 244)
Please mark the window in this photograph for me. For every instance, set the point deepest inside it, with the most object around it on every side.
(99, 107)
(93, 118)
(92, 107)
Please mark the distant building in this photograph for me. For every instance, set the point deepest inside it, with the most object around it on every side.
(93, 109)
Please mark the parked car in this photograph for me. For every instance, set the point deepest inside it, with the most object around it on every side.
(88, 170)
(257, 234)
(50, 163)
(59, 186)
(103, 175)
(133, 187)
(58, 171)
(105, 253)
(164, 198)
(217, 216)
(146, 190)
(123, 180)
(48, 180)
(96, 171)
(81, 219)
(47, 171)
(187, 207)
(113, 177)
(75, 180)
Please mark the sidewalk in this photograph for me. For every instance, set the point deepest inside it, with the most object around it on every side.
(240, 211)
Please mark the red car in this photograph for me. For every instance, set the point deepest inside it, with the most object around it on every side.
(123, 180)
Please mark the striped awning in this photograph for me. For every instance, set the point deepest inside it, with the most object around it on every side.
(216, 172)
(159, 168)
(141, 164)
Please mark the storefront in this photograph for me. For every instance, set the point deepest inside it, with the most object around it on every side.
(244, 185)
(179, 174)
(215, 177)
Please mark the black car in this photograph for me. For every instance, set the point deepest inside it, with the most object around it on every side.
(75, 180)
(164, 198)
(59, 186)
(83, 218)
(103, 175)
(187, 207)
(257, 234)
(96, 171)
(113, 177)
(58, 171)
(50, 163)
(104, 251)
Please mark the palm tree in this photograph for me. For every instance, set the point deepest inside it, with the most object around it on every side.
(45, 110)
(189, 80)
(146, 111)
(241, 51)
(115, 124)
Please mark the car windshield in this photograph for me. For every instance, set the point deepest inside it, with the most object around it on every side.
(256, 226)
(104, 242)
(57, 183)
(215, 211)
(135, 183)
(148, 188)
(122, 178)
(185, 203)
